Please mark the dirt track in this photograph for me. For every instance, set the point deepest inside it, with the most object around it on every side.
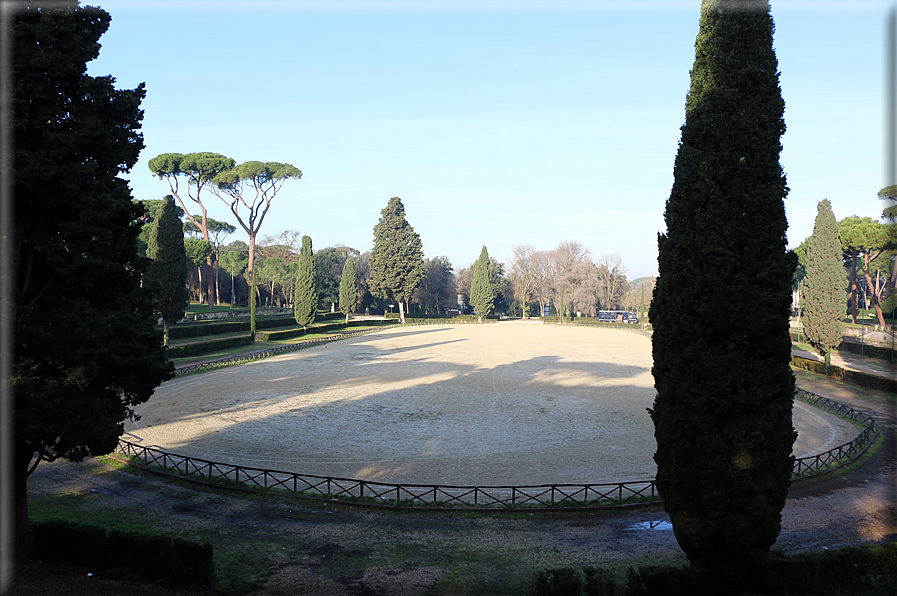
(510, 403)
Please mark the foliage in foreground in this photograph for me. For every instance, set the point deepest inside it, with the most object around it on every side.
(722, 415)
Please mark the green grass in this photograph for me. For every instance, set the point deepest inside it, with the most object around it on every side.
(197, 308)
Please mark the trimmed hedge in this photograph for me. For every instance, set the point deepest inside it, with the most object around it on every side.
(208, 346)
(134, 555)
(851, 568)
(222, 327)
(862, 379)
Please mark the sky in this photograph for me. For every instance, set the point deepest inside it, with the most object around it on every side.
(497, 123)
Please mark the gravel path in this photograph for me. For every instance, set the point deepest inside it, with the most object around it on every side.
(503, 404)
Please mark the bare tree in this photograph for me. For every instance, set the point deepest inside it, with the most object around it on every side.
(523, 273)
(564, 272)
(612, 275)
(541, 279)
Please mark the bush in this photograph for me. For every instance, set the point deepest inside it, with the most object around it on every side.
(851, 568)
(208, 346)
(133, 555)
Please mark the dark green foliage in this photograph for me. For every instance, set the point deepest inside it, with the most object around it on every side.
(556, 582)
(397, 259)
(482, 288)
(165, 275)
(328, 267)
(305, 295)
(133, 555)
(348, 289)
(722, 415)
(205, 347)
(86, 350)
(436, 291)
(823, 294)
(826, 572)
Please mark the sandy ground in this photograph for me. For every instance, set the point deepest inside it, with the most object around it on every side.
(512, 403)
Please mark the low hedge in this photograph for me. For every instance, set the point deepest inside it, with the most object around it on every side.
(862, 379)
(208, 346)
(850, 568)
(156, 558)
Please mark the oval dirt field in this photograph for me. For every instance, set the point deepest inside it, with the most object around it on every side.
(513, 403)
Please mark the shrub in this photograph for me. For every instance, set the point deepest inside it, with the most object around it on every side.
(151, 557)
(208, 346)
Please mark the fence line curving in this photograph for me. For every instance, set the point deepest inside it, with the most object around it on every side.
(543, 497)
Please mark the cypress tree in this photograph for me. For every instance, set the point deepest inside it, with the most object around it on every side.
(305, 295)
(722, 415)
(397, 259)
(165, 275)
(823, 287)
(348, 289)
(482, 290)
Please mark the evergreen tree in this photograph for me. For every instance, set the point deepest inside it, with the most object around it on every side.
(823, 287)
(305, 296)
(86, 351)
(722, 415)
(165, 275)
(348, 289)
(397, 259)
(482, 286)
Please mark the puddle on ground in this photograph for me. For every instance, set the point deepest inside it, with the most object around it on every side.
(651, 525)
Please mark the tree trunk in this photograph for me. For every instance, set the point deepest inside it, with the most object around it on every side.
(209, 268)
(233, 295)
(853, 290)
(252, 288)
(875, 294)
(401, 311)
(23, 456)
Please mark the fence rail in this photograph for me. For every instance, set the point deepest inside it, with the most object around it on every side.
(545, 496)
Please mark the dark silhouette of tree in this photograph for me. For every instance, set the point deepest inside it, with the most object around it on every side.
(482, 288)
(823, 286)
(86, 350)
(348, 289)
(305, 297)
(722, 415)
(165, 276)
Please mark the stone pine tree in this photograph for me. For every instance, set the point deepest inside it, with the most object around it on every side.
(397, 259)
(348, 289)
(84, 350)
(165, 277)
(722, 415)
(823, 292)
(482, 289)
(305, 295)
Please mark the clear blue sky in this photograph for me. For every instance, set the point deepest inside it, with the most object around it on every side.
(497, 123)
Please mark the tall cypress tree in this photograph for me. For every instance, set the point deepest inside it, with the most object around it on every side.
(824, 298)
(482, 290)
(305, 295)
(397, 259)
(165, 275)
(722, 414)
(348, 289)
